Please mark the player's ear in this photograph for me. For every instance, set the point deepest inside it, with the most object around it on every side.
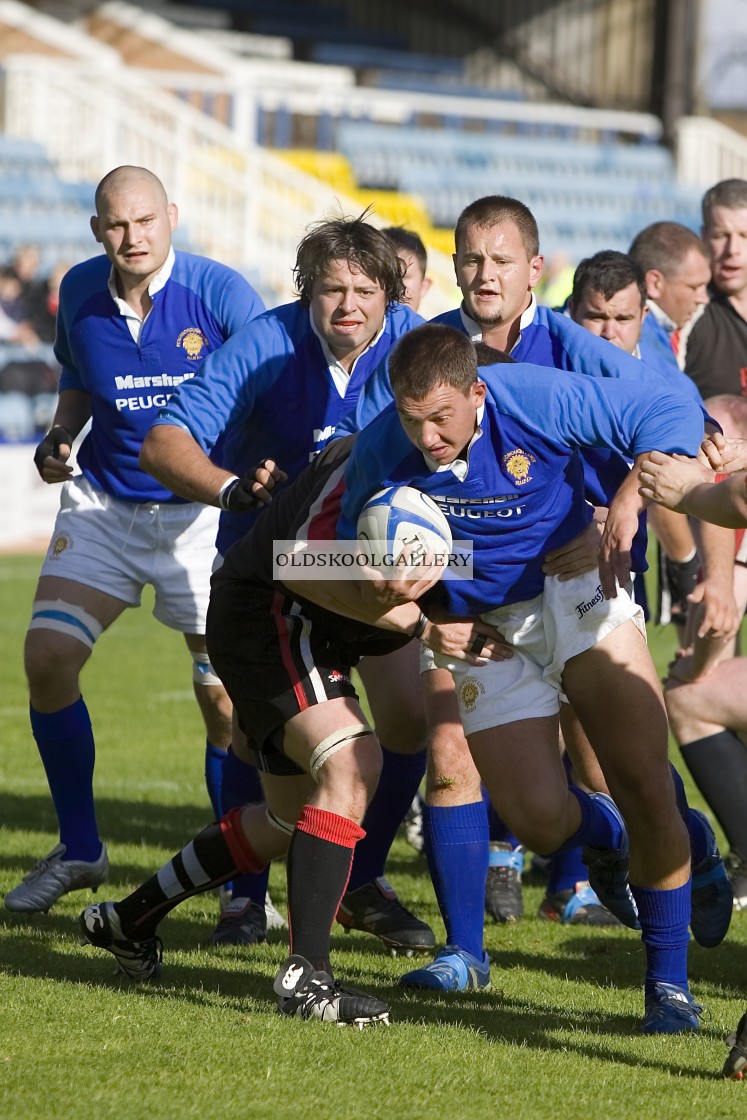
(536, 267)
(425, 286)
(654, 277)
(478, 390)
(95, 228)
(173, 213)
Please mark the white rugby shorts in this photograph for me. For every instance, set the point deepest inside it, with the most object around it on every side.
(545, 632)
(118, 547)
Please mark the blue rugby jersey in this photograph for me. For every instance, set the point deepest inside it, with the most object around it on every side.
(199, 307)
(523, 493)
(554, 340)
(656, 349)
(271, 391)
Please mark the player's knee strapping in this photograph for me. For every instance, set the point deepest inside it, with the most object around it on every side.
(65, 618)
(244, 855)
(202, 670)
(276, 822)
(333, 743)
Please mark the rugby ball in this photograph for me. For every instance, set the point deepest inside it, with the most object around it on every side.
(401, 517)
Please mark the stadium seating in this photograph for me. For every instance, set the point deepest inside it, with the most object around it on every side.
(38, 207)
(584, 194)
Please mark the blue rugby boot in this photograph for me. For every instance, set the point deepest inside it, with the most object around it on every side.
(452, 970)
(608, 872)
(670, 1009)
(712, 894)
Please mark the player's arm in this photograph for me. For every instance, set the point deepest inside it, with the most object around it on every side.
(71, 415)
(685, 485)
(714, 618)
(581, 554)
(175, 458)
(394, 607)
(619, 530)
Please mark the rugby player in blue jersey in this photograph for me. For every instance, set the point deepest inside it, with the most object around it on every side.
(498, 264)
(132, 325)
(497, 456)
(277, 393)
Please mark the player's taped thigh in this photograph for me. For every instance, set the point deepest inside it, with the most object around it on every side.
(202, 669)
(66, 618)
(333, 743)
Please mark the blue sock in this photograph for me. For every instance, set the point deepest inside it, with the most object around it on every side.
(699, 839)
(214, 762)
(567, 869)
(664, 917)
(400, 779)
(456, 847)
(599, 826)
(499, 831)
(242, 786)
(65, 742)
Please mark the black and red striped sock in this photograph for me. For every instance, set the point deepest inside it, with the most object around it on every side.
(212, 858)
(318, 868)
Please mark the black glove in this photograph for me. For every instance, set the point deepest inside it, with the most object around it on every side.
(238, 496)
(50, 445)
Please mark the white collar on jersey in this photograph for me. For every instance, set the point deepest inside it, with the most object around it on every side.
(340, 376)
(460, 466)
(134, 321)
(661, 316)
(474, 330)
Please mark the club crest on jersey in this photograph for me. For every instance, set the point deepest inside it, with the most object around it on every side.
(193, 341)
(59, 545)
(470, 693)
(517, 464)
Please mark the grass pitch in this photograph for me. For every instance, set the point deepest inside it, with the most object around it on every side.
(556, 1035)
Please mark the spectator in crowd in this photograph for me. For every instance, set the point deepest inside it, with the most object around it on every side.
(29, 371)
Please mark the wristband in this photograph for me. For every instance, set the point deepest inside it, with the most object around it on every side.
(420, 626)
(225, 490)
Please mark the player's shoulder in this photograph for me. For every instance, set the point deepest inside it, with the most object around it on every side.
(287, 326)
(556, 323)
(83, 280)
(401, 318)
(192, 269)
(452, 318)
(94, 270)
(384, 435)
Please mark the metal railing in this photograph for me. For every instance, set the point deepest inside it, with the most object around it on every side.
(240, 203)
(708, 151)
